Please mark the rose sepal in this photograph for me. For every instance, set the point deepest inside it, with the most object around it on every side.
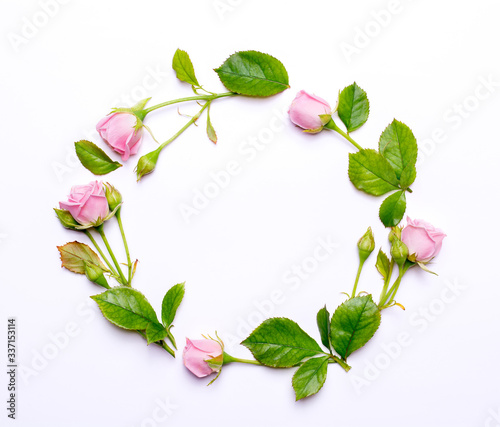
(137, 110)
(67, 220)
(424, 267)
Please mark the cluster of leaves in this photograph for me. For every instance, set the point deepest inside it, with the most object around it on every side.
(247, 73)
(129, 309)
(277, 342)
(81, 259)
(281, 343)
(122, 305)
(391, 168)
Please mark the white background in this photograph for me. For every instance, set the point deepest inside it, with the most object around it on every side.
(60, 74)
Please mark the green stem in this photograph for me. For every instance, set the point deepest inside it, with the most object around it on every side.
(391, 294)
(333, 126)
(189, 123)
(122, 232)
(344, 365)
(392, 291)
(171, 338)
(386, 282)
(147, 163)
(189, 98)
(165, 346)
(113, 271)
(162, 344)
(230, 359)
(361, 263)
(115, 262)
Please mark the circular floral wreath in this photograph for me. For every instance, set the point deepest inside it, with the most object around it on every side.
(277, 342)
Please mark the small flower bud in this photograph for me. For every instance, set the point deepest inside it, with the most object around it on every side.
(423, 240)
(96, 275)
(395, 233)
(147, 164)
(399, 252)
(113, 196)
(122, 130)
(310, 112)
(203, 357)
(366, 245)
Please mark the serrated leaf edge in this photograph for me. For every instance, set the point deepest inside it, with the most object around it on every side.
(371, 336)
(183, 68)
(96, 297)
(326, 357)
(402, 193)
(281, 318)
(76, 272)
(218, 69)
(350, 117)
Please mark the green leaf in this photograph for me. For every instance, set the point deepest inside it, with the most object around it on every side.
(323, 321)
(129, 309)
(281, 343)
(353, 107)
(155, 332)
(183, 67)
(94, 159)
(370, 172)
(75, 255)
(253, 73)
(393, 209)
(310, 377)
(383, 264)
(66, 219)
(171, 302)
(353, 324)
(399, 146)
(408, 176)
(210, 129)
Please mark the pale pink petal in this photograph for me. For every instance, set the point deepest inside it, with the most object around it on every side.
(418, 242)
(306, 109)
(194, 360)
(72, 208)
(102, 124)
(87, 203)
(95, 208)
(208, 346)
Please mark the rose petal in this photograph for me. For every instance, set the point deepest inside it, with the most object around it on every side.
(418, 242)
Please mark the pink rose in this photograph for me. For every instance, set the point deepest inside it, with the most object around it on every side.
(198, 352)
(422, 239)
(306, 109)
(87, 204)
(118, 130)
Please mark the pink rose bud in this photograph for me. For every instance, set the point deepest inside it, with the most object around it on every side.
(199, 356)
(120, 133)
(422, 239)
(306, 109)
(87, 204)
